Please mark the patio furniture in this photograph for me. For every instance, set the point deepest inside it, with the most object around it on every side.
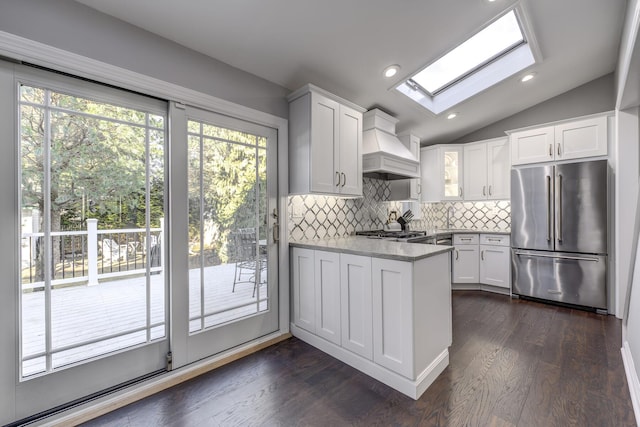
(113, 251)
(243, 245)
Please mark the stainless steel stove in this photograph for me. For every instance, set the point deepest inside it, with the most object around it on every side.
(400, 236)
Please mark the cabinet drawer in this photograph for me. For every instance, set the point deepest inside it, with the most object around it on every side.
(465, 239)
(495, 239)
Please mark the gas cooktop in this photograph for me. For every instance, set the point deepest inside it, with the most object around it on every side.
(382, 234)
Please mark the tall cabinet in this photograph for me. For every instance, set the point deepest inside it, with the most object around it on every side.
(325, 143)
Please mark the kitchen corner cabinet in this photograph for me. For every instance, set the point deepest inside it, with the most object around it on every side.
(407, 189)
(487, 166)
(325, 144)
(441, 173)
(567, 140)
(466, 257)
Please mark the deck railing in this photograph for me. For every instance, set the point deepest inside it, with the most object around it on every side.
(86, 256)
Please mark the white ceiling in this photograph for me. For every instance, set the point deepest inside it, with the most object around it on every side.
(344, 45)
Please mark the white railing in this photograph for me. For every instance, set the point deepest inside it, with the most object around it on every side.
(87, 256)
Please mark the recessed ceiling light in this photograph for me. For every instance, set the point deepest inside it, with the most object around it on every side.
(527, 77)
(391, 71)
(452, 116)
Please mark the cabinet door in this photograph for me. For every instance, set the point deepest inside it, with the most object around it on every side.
(465, 264)
(582, 138)
(324, 137)
(495, 266)
(452, 173)
(498, 169)
(355, 304)
(475, 171)
(303, 288)
(532, 146)
(349, 155)
(431, 175)
(392, 315)
(327, 295)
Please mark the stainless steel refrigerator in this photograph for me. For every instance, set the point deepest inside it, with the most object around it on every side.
(559, 232)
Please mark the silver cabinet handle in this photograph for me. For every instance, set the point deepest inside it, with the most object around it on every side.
(484, 190)
(490, 190)
(460, 191)
(419, 188)
(338, 179)
(548, 208)
(572, 258)
(493, 240)
(559, 208)
(344, 178)
(550, 150)
(559, 150)
(456, 254)
(482, 255)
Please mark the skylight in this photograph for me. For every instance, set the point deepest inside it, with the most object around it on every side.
(491, 55)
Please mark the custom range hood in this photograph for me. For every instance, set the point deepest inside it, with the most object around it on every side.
(384, 156)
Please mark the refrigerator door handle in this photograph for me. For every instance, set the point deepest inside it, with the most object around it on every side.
(559, 209)
(549, 236)
(573, 258)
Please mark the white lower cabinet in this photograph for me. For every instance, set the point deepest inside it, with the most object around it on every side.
(327, 295)
(391, 319)
(355, 292)
(495, 260)
(483, 259)
(466, 256)
(304, 293)
(393, 315)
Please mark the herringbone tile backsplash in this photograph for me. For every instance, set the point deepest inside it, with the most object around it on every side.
(317, 217)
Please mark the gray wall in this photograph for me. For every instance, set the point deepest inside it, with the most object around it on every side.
(594, 97)
(74, 27)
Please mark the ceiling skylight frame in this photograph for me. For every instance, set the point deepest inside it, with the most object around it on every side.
(510, 61)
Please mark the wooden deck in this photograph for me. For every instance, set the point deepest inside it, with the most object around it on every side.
(88, 313)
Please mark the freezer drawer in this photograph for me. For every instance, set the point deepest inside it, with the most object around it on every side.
(560, 276)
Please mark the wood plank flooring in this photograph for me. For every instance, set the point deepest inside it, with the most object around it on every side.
(512, 363)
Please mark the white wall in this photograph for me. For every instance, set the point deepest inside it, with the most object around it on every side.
(625, 160)
(627, 100)
(76, 28)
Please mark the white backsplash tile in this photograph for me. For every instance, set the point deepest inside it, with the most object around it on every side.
(317, 217)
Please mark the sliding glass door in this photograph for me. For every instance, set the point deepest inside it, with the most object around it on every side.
(232, 255)
(92, 288)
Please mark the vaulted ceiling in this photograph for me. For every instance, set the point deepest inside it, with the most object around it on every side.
(344, 45)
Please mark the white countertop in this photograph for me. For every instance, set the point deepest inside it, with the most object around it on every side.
(377, 248)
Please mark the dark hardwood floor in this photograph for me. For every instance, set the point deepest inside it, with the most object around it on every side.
(512, 363)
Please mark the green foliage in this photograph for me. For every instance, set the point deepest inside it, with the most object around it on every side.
(97, 164)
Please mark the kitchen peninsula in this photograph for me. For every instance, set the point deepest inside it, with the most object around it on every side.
(380, 306)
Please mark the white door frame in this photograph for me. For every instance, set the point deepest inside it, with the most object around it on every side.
(23, 49)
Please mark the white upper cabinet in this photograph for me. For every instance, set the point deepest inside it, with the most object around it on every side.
(475, 171)
(325, 144)
(486, 170)
(575, 139)
(441, 173)
(499, 169)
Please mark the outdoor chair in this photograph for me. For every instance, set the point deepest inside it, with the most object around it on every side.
(247, 264)
(112, 251)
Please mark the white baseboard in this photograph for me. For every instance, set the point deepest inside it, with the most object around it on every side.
(412, 388)
(632, 378)
(480, 287)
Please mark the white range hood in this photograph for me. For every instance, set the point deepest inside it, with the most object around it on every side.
(384, 155)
